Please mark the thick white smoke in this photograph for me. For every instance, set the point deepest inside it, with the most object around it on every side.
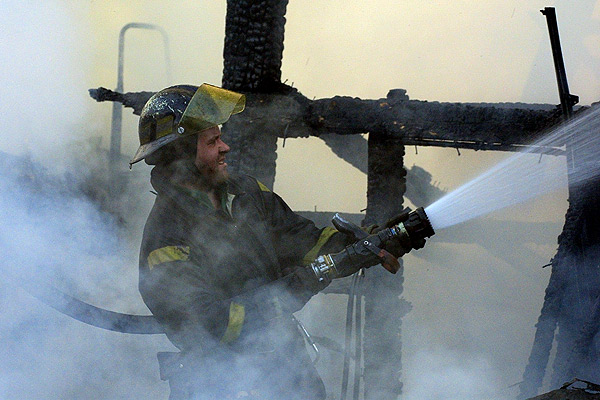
(442, 374)
(51, 233)
(43, 65)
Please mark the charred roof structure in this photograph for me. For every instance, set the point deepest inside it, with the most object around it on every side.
(252, 65)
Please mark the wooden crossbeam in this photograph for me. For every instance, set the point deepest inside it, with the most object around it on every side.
(415, 122)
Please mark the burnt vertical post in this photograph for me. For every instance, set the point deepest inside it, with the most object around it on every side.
(253, 51)
(577, 263)
(574, 281)
(383, 307)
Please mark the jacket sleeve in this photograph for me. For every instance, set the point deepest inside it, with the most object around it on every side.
(296, 239)
(194, 311)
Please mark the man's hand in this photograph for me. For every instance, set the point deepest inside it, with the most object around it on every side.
(304, 279)
(361, 254)
(364, 253)
(399, 245)
(403, 233)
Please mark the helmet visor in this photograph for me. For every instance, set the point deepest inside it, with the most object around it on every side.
(210, 106)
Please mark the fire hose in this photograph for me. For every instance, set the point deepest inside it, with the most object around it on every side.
(414, 226)
(87, 313)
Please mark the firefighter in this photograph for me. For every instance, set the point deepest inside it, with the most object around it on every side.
(224, 262)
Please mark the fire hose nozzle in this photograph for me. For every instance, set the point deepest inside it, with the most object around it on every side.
(414, 229)
(383, 247)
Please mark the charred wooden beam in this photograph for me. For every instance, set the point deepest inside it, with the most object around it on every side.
(135, 100)
(574, 287)
(535, 370)
(254, 32)
(415, 122)
(570, 295)
(577, 263)
(386, 182)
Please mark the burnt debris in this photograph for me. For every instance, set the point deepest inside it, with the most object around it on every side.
(576, 389)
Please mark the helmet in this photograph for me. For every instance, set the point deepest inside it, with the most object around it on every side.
(182, 111)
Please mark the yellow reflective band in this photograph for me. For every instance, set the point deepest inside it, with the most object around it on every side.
(263, 187)
(151, 132)
(168, 254)
(237, 313)
(164, 126)
(314, 252)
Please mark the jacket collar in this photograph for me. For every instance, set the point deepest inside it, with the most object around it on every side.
(170, 181)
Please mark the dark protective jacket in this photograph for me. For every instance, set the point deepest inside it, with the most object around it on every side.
(224, 284)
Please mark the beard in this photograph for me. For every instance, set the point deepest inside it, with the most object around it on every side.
(186, 172)
(212, 177)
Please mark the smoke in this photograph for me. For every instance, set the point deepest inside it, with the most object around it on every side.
(42, 70)
(442, 374)
(51, 232)
(56, 230)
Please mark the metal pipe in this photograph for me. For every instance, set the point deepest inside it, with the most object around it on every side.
(358, 336)
(348, 337)
(117, 112)
(567, 100)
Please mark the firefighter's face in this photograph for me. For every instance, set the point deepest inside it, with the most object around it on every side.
(210, 156)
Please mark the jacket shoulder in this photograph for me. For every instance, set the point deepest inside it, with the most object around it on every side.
(164, 223)
(247, 183)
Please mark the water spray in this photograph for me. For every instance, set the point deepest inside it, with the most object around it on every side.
(522, 176)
